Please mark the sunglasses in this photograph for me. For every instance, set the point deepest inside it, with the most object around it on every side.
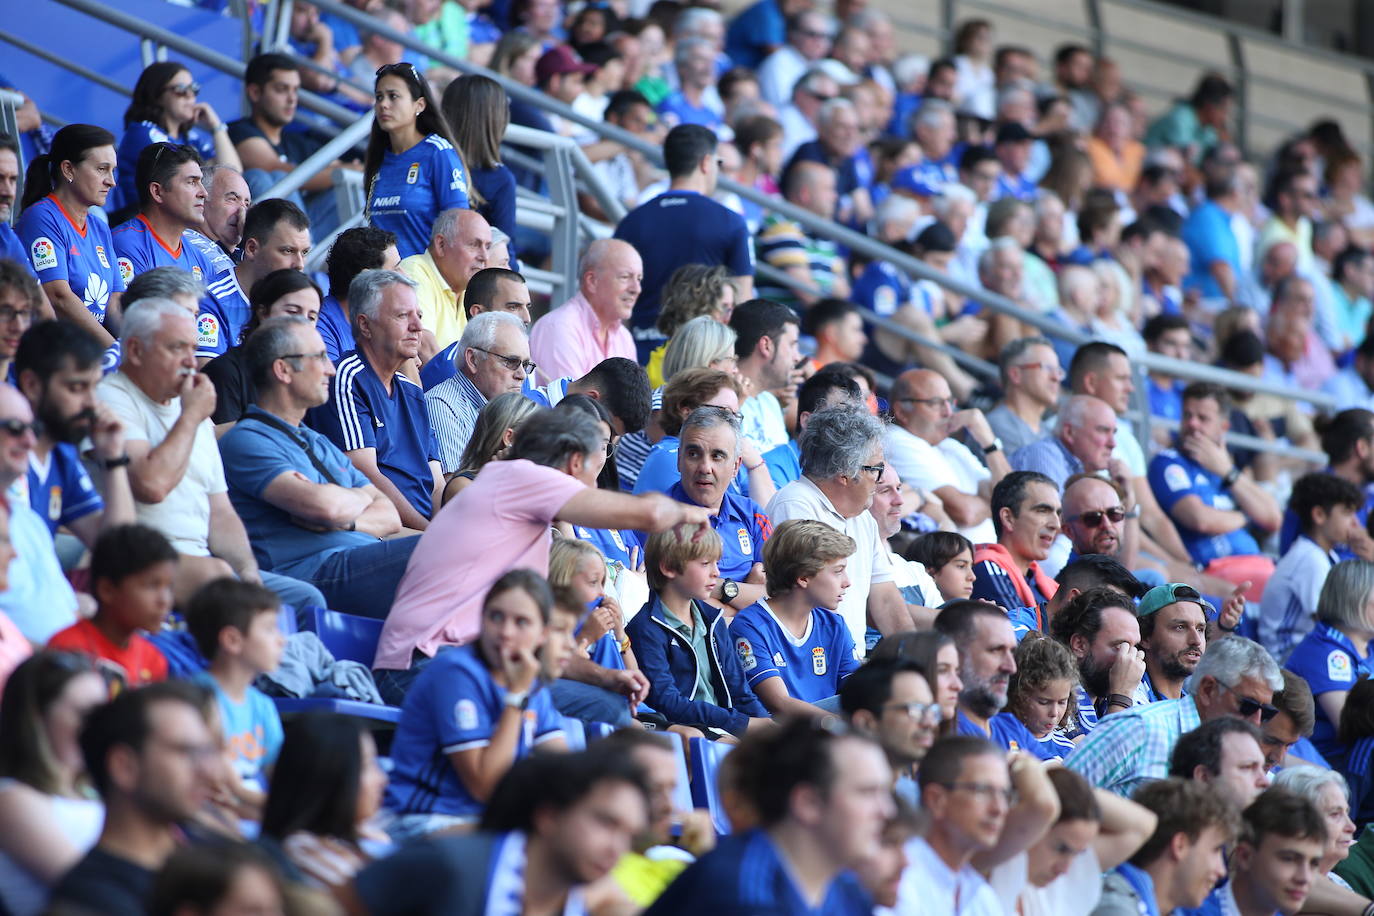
(17, 427)
(1093, 518)
(1247, 707)
(184, 89)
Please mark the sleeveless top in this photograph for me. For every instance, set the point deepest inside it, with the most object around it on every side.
(78, 820)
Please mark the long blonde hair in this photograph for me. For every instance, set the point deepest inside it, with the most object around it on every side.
(503, 412)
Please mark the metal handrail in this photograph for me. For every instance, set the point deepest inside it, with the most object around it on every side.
(321, 159)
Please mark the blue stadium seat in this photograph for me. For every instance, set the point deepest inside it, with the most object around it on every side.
(705, 765)
(574, 733)
(385, 715)
(346, 636)
(682, 798)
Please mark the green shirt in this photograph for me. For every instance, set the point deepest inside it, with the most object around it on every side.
(696, 635)
(448, 32)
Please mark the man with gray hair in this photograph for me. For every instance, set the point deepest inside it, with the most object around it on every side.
(492, 358)
(590, 326)
(1236, 677)
(840, 146)
(708, 458)
(457, 249)
(376, 415)
(175, 469)
(695, 101)
(308, 511)
(1030, 375)
(171, 283)
(808, 41)
(800, 115)
(842, 464)
(217, 237)
(1082, 440)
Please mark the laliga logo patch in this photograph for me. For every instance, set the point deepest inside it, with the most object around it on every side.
(818, 661)
(195, 269)
(1338, 667)
(207, 330)
(465, 714)
(414, 174)
(44, 254)
(746, 654)
(126, 270)
(100, 253)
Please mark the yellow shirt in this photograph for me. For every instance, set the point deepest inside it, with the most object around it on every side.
(440, 312)
(644, 879)
(655, 367)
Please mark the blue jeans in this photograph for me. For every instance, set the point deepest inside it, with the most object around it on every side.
(362, 580)
(393, 684)
(295, 592)
(588, 703)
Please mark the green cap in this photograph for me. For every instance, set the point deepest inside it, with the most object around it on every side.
(1164, 595)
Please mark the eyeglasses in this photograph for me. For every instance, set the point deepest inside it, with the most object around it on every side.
(929, 713)
(184, 89)
(812, 33)
(932, 403)
(319, 357)
(510, 362)
(984, 790)
(876, 469)
(404, 65)
(16, 427)
(1093, 518)
(8, 315)
(1055, 372)
(1247, 707)
(820, 96)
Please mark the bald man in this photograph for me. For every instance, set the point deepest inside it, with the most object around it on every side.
(590, 327)
(1098, 518)
(923, 445)
(458, 246)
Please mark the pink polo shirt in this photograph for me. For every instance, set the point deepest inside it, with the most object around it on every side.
(498, 523)
(566, 343)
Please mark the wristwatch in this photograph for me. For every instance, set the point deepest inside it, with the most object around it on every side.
(516, 700)
(1134, 511)
(994, 446)
(123, 461)
(1231, 477)
(729, 590)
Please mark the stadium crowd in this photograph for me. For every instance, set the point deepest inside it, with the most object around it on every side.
(395, 588)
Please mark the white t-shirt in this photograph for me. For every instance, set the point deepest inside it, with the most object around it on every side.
(1289, 605)
(930, 467)
(868, 566)
(763, 421)
(184, 516)
(1128, 449)
(1073, 893)
(930, 887)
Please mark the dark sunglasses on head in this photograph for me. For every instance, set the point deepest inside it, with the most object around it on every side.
(1093, 518)
(405, 65)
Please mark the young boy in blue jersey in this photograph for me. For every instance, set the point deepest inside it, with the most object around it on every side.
(795, 649)
(235, 627)
(478, 708)
(1041, 692)
(683, 644)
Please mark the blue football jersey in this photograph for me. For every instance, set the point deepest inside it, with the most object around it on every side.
(224, 312)
(412, 187)
(84, 257)
(812, 666)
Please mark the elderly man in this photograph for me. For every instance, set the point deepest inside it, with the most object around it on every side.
(221, 221)
(921, 446)
(1030, 374)
(308, 510)
(1236, 677)
(492, 357)
(694, 61)
(500, 522)
(842, 465)
(1099, 627)
(808, 40)
(708, 458)
(1296, 354)
(934, 128)
(174, 465)
(800, 115)
(590, 326)
(494, 289)
(376, 415)
(1082, 440)
(1025, 516)
(785, 244)
(840, 146)
(457, 250)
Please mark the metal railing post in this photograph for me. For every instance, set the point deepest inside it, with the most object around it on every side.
(563, 192)
(321, 158)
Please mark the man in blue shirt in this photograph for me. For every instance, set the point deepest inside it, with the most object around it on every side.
(171, 200)
(695, 59)
(798, 859)
(684, 225)
(1198, 484)
(309, 512)
(1207, 232)
(354, 251)
(376, 415)
(494, 289)
(760, 30)
(840, 146)
(11, 248)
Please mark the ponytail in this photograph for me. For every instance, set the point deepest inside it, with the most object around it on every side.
(70, 144)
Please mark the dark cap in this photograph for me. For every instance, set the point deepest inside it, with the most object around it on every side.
(1161, 596)
(1013, 132)
(936, 237)
(559, 60)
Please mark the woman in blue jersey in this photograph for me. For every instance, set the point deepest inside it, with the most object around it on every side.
(412, 171)
(73, 253)
(165, 109)
(478, 110)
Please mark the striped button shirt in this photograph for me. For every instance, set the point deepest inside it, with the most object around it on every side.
(453, 407)
(1133, 746)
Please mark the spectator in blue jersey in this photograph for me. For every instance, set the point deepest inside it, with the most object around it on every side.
(1041, 695)
(492, 358)
(694, 60)
(180, 286)
(221, 225)
(171, 200)
(760, 30)
(823, 796)
(11, 248)
(276, 236)
(412, 172)
(354, 251)
(476, 709)
(1173, 632)
(478, 111)
(57, 367)
(688, 390)
(376, 415)
(1026, 516)
(986, 643)
(579, 813)
(814, 262)
(1225, 755)
(309, 512)
(493, 289)
(683, 225)
(1216, 264)
(164, 109)
(1172, 336)
(270, 144)
(839, 144)
(72, 254)
(795, 650)
(1326, 507)
(1335, 654)
(281, 293)
(1100, 628)
(1212, 502)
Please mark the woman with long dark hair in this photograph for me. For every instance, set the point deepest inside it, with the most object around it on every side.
(165, 109)
(478, 110)
(73, 254)
(412, 170)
